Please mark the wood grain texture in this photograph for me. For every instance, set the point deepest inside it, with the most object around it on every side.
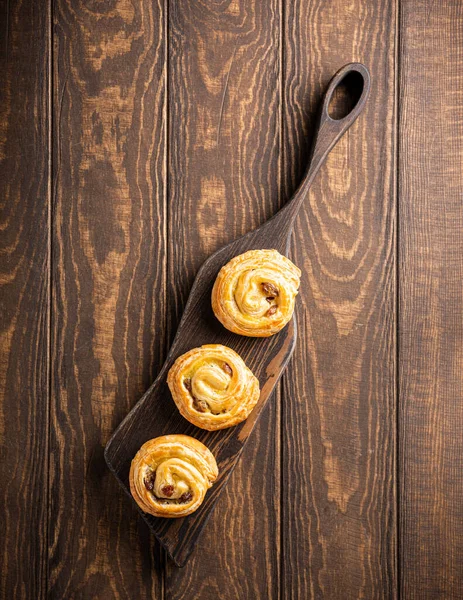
(224, 161)
(142, 191)
(109, 270)
(24, 299)
(431, 300)
(338, 441)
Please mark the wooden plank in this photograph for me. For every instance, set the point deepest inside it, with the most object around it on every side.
(431, 299)
(224, 180)
(24, 280)
(338, 443)
(109, 270)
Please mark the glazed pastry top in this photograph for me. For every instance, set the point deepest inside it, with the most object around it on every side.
(212, 387)
(170, 475)
(254, 294)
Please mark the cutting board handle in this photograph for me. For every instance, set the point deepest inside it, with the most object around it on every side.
(355, 77)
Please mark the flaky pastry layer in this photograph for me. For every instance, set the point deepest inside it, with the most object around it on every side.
(212, 387)
(170, 475)
(254, 294)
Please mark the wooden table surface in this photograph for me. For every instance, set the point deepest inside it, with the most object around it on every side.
(138, 136)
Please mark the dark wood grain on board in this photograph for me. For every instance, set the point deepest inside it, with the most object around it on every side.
(338, 419)
(156, 415)
(109, 271)
(431, 300)
(24, 300)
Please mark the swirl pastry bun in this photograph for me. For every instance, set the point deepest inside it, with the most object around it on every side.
(212, 387)
(254, 294)
(170, 475)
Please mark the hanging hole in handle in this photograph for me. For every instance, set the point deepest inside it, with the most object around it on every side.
(346, 95)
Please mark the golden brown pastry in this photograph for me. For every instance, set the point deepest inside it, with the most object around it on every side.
(254, 294)
(170, 475)
(212, 387)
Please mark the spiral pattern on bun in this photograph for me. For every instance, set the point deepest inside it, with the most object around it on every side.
(212, 387)
(170, 475)
(254, 294)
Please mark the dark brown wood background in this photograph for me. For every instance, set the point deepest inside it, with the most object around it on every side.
(138, 136)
